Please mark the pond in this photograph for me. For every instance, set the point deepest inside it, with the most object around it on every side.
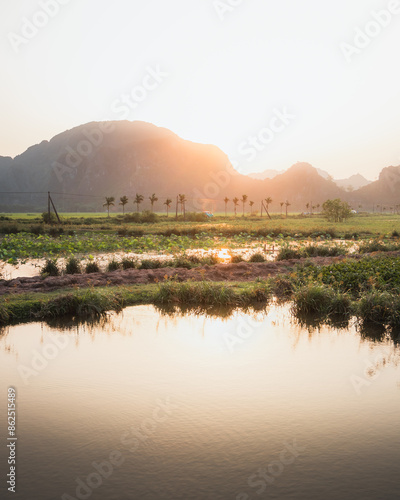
(146, 405)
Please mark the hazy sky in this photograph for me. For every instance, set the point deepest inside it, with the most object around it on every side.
(268, 81)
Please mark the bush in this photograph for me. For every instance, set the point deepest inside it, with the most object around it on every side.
(56, 231)
(320, 300)
(49, 220)
(286, 253)
(50, 268)
(113, 265)
(283, 287)
(257, 257)
(152, 264)
(379, 307)
(92, 267)
(374, 246)
(323, 251)
(196, 217)
(128, 264)
(9, 229)
(36, 229)
(73, 266)
(237, 258)
(148, 217)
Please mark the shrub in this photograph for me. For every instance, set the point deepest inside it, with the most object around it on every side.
(286, 253)
(73, 266)
(128, 263)
(196, 217)
(36, 229)
(92, 267)
(379, 307)
(50, 268)
(49, 220)
(148, 217)
(373, 246)
(9, 229)
(237, 258)
(56, 231)
(152, 264)
(323, 251)
(320, 300)
(283, 287)
(113, 265)
(257, 257)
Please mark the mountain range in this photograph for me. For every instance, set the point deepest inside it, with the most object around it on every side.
(351, 183)
(83, 165)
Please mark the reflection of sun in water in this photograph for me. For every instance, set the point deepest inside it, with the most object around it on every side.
(224, 256)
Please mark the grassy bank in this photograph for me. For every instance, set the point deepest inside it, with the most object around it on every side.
(367, 290)
(95, 302)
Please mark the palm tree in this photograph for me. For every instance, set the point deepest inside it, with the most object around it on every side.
(153, 198)
(268, 202)
(282, 203)
(287, 204)
(251, 203)
(167, 203)
(182, 202)
(123, 201)
(226, 201)
(109, 203)
(235, 203)
(307, 206)
(138, 200)
(243, 200)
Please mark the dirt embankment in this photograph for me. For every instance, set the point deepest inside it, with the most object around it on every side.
(243, 271)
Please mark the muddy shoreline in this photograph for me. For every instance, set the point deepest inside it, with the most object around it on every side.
(243, 271)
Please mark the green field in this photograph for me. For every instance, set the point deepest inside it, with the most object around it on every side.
(25, 236)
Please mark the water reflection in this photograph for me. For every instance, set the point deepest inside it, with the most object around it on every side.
(241, 387)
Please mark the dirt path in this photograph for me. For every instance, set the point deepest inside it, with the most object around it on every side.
(244, 271)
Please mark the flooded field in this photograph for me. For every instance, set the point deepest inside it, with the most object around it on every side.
(155, 406)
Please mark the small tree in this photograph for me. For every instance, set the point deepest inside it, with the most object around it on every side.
(243, 200)
(138, 200)
(167, 203)
(182, 202)
(235, 204)
(109, 203)
(123, 201)
(153, 198)
(268, 202)
(282, 203)
(336, 210)
(226, 201)
(287, 205)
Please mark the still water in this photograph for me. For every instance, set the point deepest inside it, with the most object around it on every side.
(148, 406)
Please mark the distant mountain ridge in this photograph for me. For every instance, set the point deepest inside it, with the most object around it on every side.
(83, 165)
(353, 182)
